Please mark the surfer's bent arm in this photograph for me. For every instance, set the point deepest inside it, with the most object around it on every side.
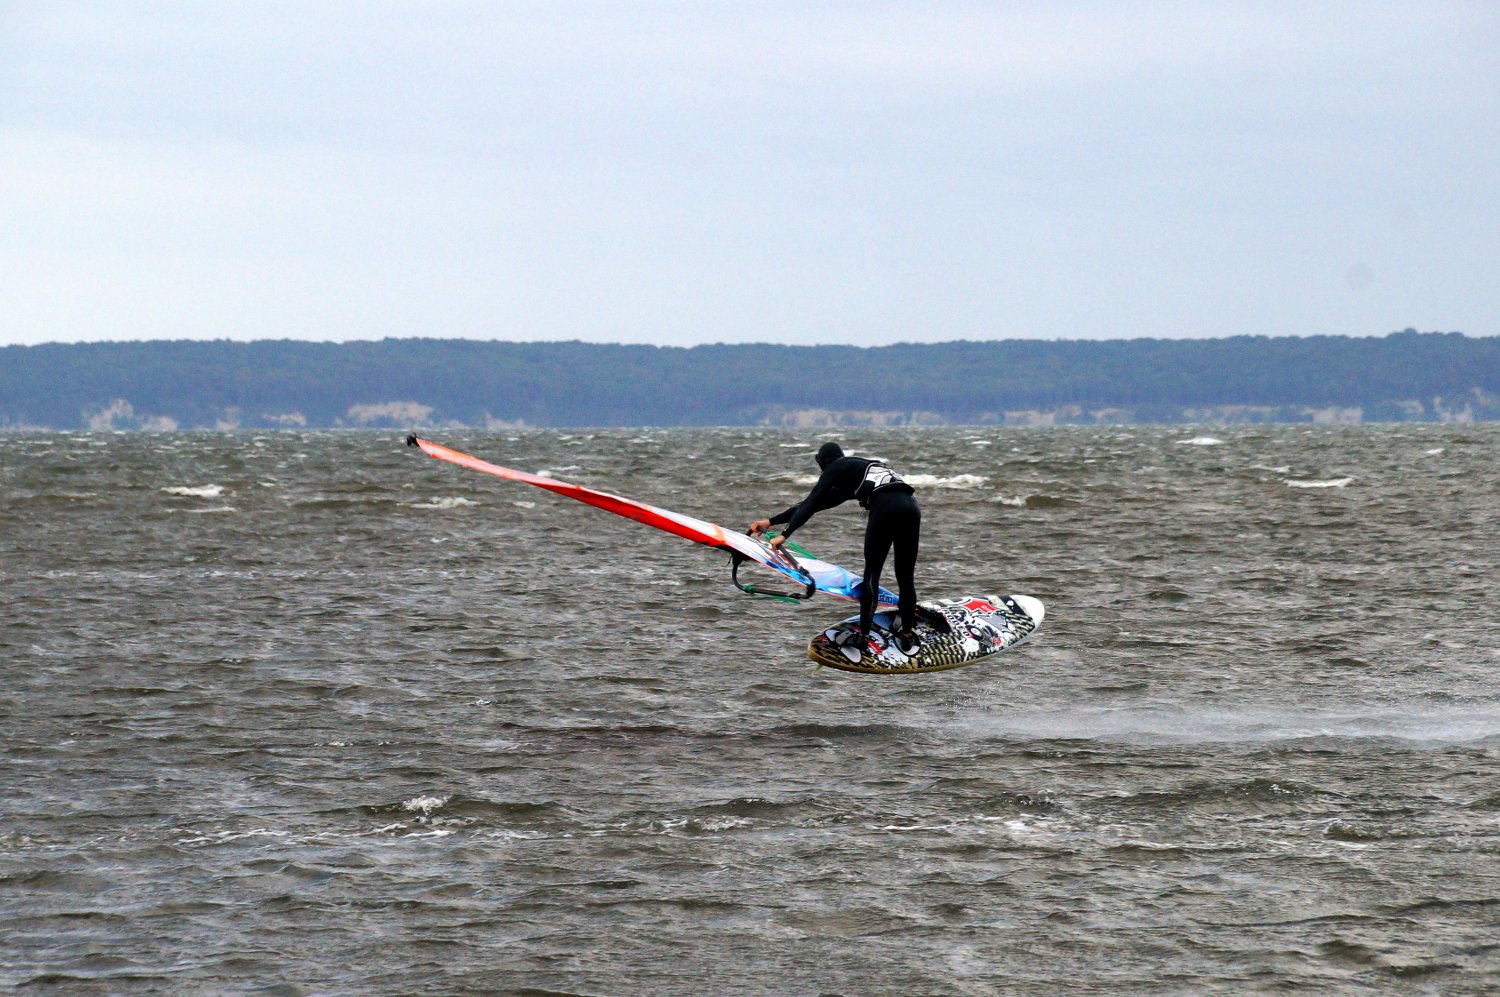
(762, 525)
(784, 517)
(821, 497)
(835, 485)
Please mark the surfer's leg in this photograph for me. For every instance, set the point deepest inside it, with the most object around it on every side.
(877, 546)
(908, 537)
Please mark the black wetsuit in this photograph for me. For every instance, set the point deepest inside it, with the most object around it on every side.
(895, 521)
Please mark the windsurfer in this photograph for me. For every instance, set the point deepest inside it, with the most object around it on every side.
(895, 521)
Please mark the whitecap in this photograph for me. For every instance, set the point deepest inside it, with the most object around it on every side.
(672, 825)
(1016, 500)
(1432, 453)
(444, 503)
(522, 504)
(425, 804)
(200, 491)
(934, 481)
(1329, 483)
(1202, 441)
(226, 837)
(916, 480)
(212, 508)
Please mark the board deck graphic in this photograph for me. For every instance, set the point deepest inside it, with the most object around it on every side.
(952, 633)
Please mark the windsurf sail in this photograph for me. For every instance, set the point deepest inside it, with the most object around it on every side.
(810, 573)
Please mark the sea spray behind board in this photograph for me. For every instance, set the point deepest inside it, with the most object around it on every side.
(379, 725)
(1434, 726)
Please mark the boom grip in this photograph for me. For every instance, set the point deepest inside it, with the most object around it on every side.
(738, 559)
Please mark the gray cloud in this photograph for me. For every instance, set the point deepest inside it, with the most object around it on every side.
(688, 172)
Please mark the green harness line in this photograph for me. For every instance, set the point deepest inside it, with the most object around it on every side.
(795, 548)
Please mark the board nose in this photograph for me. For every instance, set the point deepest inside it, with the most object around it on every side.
(1032, 607)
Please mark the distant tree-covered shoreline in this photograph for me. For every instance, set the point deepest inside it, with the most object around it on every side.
(1405, 376)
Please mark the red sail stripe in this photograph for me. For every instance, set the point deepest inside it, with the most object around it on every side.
(697, 530)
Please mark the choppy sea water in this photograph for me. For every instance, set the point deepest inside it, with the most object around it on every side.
(309, 713)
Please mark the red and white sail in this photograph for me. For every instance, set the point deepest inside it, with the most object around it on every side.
(825, 577)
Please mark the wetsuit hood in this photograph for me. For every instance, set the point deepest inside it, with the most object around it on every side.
(828, 453)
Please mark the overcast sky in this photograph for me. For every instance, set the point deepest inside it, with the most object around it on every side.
(693, 172)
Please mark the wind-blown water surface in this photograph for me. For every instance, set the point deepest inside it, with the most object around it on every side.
(306, 713)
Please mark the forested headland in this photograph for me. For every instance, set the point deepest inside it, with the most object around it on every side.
(1405, 376)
